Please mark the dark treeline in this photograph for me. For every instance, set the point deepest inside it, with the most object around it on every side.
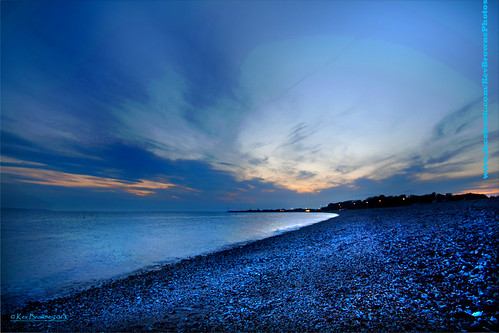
(401, 200)
(376, 202)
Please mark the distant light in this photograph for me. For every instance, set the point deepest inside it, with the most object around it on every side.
(403, 198)
(379, 200)
(307, 210)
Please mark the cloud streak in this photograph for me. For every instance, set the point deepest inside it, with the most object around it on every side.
(394, 97)
(141, 187)
(334, 110)
(297, 100)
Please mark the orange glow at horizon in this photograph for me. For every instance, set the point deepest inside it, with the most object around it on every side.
(483, 188)
(488, 191)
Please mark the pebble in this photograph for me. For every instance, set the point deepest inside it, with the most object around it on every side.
(366, 278)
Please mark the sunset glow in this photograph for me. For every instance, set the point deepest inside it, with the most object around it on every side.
(262, 103)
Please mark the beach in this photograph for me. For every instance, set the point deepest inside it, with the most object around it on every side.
(430, 267)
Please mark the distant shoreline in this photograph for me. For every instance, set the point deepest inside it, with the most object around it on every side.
(300, 210)
(380, 201)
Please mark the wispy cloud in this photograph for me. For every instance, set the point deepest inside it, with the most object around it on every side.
(332, 111)
(141, 187)
(15, 161)
(290, 99)
(365, 114)
(453, 150)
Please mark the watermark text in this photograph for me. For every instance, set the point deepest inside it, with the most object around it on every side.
(485, 87)
(20, 317)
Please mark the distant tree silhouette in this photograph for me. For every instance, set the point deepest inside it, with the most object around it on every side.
(379, 201)
(382, 201)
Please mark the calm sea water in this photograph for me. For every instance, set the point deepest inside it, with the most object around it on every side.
(47, 254)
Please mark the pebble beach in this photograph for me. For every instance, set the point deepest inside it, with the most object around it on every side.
(430, 267)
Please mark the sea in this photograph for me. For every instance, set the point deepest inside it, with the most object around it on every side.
(48, 254)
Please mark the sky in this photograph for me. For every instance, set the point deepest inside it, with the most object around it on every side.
(210, 105)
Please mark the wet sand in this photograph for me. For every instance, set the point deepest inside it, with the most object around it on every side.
(425, 268)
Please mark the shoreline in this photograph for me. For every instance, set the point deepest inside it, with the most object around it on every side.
(379, 269)
(20, 301)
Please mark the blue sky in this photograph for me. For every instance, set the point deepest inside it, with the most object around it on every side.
(204, 105)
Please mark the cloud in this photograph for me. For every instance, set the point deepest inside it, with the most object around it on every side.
(141, 187)
(15, 161)
(342, 109)
(287, 100)
(453, 151)
(164, 123)
(332, 110)
(457, 121)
